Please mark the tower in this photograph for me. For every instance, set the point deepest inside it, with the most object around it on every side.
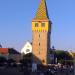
(41, 31)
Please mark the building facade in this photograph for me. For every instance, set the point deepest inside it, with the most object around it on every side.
(10, 53)
(27, 48)
(41, 31)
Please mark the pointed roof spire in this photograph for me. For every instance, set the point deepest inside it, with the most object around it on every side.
(42, 12)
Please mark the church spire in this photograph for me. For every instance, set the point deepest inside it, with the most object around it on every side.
(42, 12)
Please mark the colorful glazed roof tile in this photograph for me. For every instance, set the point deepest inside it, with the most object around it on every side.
(42, 12)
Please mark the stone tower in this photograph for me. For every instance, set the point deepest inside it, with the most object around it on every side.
(41, 31)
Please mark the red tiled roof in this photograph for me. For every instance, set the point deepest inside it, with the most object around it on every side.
(3, 50)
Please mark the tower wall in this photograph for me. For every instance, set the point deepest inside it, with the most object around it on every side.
(39, 46)
(40, 42)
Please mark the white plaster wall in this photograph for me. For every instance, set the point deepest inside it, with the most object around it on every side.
(27, 48)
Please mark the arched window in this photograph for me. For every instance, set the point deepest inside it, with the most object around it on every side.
(36, 24)
(42, 24)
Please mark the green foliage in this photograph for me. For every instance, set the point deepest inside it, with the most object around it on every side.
(26, 59)
(3, 59)
(63, 57)
(27, 56)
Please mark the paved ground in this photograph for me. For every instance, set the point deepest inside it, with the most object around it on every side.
(19, 71)
(10, 71)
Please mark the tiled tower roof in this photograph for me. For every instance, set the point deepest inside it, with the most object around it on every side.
(42, 12)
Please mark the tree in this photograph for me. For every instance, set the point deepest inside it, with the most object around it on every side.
(3, 60)
(0, 46)
(63, 57)
(27, 59)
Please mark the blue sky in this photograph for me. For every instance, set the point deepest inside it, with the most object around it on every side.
(16, 17)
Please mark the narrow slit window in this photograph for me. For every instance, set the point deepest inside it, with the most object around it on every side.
(39, 44)
(39, 52)
(39, 35)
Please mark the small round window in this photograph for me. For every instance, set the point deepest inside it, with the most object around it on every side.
(27, 50)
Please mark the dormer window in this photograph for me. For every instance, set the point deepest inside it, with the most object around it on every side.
(36, 24)
(42, 24)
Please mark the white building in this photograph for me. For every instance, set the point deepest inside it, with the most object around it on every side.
(27, 48)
